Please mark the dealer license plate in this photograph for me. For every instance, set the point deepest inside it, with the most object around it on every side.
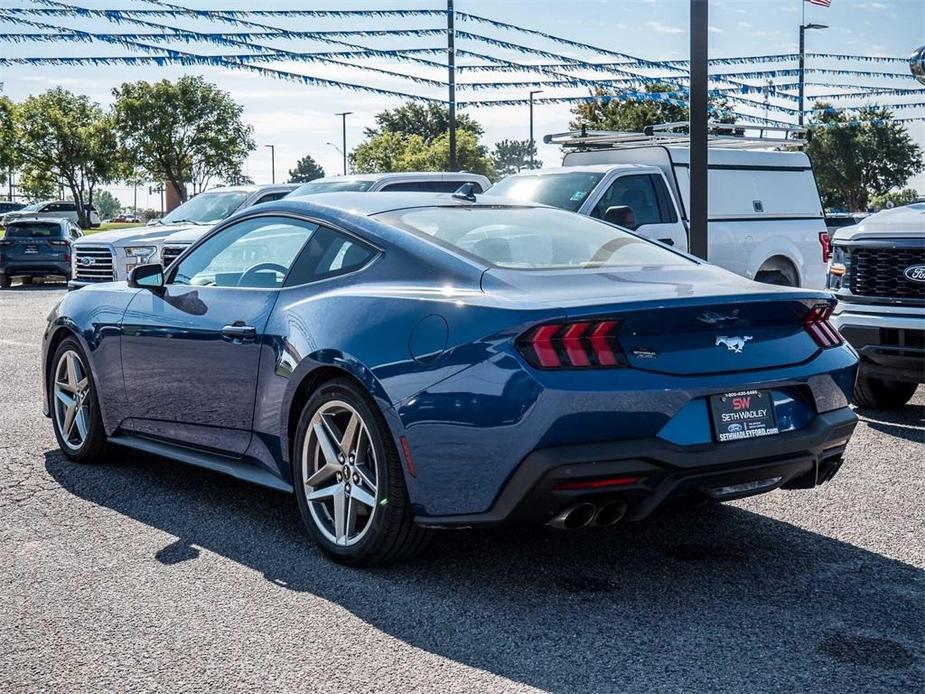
(31, 249)
(745, 414)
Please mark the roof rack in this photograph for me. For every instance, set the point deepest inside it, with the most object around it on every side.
(725, 135)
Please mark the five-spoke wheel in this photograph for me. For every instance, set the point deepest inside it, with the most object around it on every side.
(74, 409)
(349, 481)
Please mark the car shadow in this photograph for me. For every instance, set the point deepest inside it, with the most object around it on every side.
(718, 599)
(905, 422)
(46, 286)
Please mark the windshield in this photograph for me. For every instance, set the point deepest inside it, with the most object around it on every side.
(206, 208)
(531, 237)
(347, 185)
(42, 230)
(31, 208)
(565, 190)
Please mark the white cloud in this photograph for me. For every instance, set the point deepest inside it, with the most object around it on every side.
(715, 30)
(744, 25)
(665, 28)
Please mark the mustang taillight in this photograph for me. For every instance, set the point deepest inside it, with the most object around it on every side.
(818, 326)
(573, 345)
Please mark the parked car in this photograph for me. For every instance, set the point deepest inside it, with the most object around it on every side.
(36, 248)
(110, 255)
(838, 220)
(7, 206)
(766, 221)
(54, 209)
(126, 218)
(878, 274)
(404, 361)
(406, 181)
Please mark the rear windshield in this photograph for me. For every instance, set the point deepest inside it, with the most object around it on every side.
(531, 237)
(346, 186)
(565, 190)
(33, 230)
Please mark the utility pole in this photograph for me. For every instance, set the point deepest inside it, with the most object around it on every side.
(343, 116)
(451, 81)
(272, 163)
(699, 125)
(532, 162)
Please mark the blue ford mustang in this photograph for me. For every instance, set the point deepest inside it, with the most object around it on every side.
(409, 361)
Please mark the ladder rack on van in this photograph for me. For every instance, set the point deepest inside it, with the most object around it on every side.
(725, 135)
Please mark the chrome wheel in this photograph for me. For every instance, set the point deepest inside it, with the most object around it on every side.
(71, 404)
(339, 473)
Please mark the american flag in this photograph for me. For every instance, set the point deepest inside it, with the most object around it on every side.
(821, 3)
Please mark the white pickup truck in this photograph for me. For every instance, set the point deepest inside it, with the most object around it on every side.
(765, 217)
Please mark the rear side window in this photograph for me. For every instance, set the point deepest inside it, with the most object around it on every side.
(270, 197)
(33, 231)
(531, 237)
(328, 254)
(645, 194)
(61, 207)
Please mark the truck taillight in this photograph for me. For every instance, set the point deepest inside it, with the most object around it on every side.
(573, 345)
(818, 326)
(826, 242)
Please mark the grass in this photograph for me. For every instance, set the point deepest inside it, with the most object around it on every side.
(109, 226)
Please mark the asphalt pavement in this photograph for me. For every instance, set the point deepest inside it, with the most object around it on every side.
(144, 574)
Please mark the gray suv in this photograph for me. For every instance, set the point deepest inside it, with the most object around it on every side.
(36, 248)
(877, 271)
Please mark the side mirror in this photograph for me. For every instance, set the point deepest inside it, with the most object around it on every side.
(150, 276)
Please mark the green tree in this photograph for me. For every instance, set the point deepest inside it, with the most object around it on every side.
(186, 131)
(238, 178)
(390, 151)
(7, 139)
(107, 204)
(306, 169)
(895, 198)
(68, 138)
(37, 185)
(428, 121)
(511, 156)
(609, 111)
(860, 154)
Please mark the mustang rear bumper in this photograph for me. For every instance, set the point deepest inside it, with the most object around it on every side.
(664, 472)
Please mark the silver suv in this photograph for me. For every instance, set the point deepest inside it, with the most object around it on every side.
(110, 255)
(877, 272)
(52, 209)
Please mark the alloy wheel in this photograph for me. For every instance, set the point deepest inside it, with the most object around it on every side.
(339, 473)
(71, 400)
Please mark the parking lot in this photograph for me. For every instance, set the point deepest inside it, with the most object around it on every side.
(144, 574)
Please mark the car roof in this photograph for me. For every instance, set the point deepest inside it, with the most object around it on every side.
(40, 220)
(252, 188)
(584, 168)
(367, 204)
(398, 175)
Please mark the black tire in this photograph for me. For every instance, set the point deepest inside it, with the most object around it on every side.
(94, 447)
(392, 534)
(882, 395)
(776, 277)
(5, 281)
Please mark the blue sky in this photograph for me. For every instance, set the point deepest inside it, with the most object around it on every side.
(298, 119)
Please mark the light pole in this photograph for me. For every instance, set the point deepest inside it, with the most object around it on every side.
(802, 83)
(272, 163)
(343, 116)
(535, 91)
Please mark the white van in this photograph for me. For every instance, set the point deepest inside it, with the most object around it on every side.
(765, 216)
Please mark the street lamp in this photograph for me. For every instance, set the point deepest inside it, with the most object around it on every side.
(343, 116)
(535, 91)
(272, 163)
(803, 28)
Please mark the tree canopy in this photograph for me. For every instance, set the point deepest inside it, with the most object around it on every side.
(65, 137)
(428, 121)
(7, 138)
(860, 154)
(107, 204)
(306, 169)
(390, 151)
(610, 111)
(511, 156)
(186, 131)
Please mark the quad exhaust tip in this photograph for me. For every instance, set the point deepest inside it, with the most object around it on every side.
(580, 515)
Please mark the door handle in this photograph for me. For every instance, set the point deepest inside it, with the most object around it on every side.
(667, 242)
(238, 332)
